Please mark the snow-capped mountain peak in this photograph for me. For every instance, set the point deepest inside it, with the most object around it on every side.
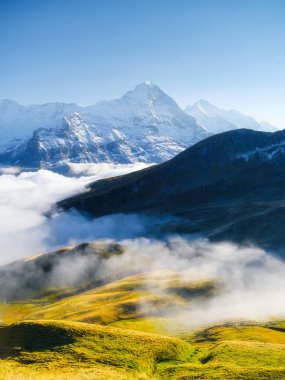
(149, 94)
(75, 121)
(145, 124)
(205, 107)
(217, 120)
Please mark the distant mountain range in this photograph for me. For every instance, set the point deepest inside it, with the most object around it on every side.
(144, 125)
(229, 186)
(215, 120)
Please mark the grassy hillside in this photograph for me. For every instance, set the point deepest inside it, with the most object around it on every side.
(60, 350)
(127, 329)
(155, 294)
(52, 349)
(59, 273)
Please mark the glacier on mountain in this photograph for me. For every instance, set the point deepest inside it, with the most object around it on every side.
(144, 125)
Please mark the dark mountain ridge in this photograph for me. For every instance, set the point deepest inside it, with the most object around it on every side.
(228, 186)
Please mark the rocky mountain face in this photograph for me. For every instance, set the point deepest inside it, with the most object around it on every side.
(216, 120)
(228, 186)
(144, 125)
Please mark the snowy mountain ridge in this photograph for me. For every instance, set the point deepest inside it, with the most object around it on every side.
(217, 120)
(144, 125)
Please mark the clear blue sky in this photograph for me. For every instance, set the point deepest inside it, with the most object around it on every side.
(230, 52)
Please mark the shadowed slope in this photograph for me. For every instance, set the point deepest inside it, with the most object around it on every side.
(220, 186)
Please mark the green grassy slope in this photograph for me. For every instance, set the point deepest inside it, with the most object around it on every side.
(153, 294)
(51, 348)
(127, 330)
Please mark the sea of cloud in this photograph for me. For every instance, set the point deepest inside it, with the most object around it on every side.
(251, 280)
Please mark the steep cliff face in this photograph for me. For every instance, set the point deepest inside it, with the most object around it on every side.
(143, 125)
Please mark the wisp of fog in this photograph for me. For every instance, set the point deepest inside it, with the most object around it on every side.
(250, 281)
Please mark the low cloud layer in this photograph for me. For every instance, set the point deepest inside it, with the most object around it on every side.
(104, 170)
(251, 282)
(26, 197)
